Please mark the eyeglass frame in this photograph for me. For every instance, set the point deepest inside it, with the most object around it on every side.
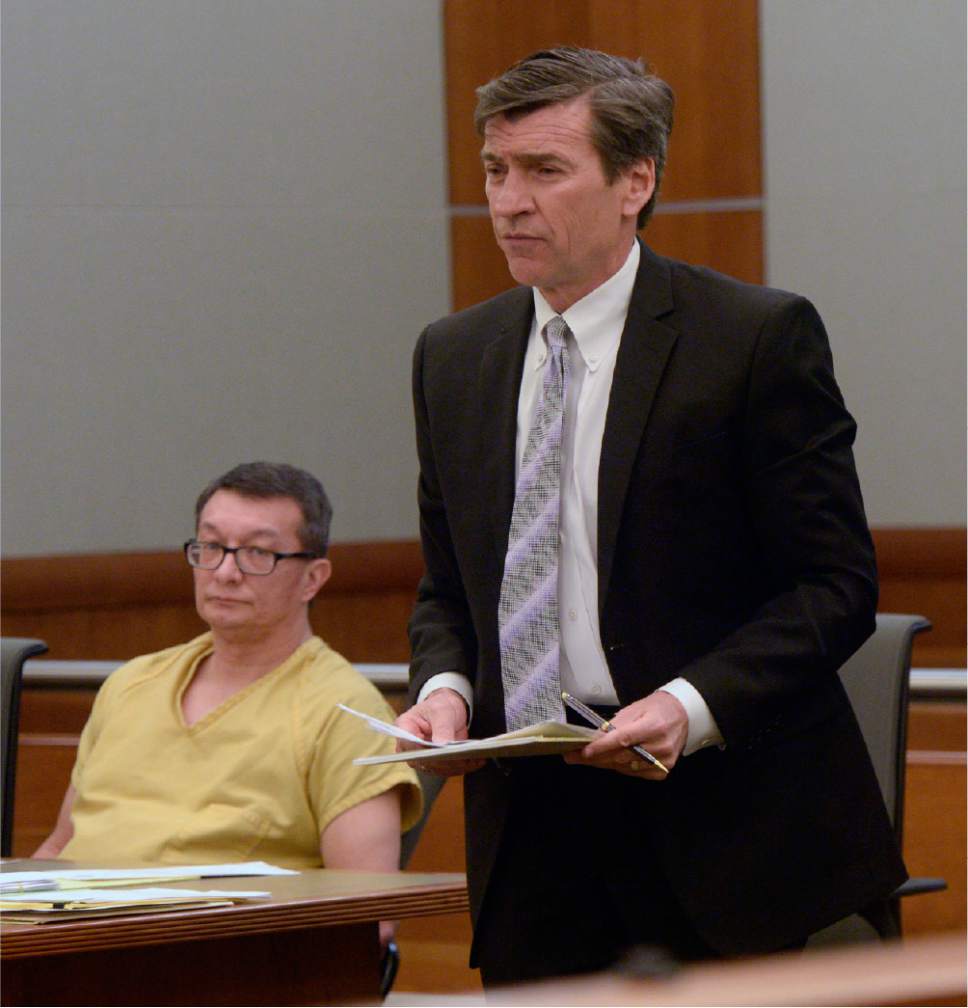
(302, 555)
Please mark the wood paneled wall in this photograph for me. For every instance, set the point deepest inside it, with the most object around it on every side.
(923, 570)
(935, 814)
(107, 606)
(709, 208)
(118, 605)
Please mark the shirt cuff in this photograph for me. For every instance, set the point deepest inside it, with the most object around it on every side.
(703, 730)
(450, 680)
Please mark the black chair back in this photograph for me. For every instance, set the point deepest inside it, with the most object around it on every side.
(876, 678)
(15, 651)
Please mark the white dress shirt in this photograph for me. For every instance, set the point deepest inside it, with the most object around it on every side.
(595, 323)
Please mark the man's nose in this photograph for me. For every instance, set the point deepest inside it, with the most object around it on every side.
(228, 569)
(512, 196)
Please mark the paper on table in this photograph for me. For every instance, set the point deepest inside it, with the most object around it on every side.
(81, 899)
(542, 739)
(48, 881)
(240, 870)
(89, 883)
(58, 915)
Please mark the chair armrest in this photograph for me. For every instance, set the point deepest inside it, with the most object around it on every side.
(916, 886)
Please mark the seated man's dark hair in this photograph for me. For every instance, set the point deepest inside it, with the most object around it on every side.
(278, 479)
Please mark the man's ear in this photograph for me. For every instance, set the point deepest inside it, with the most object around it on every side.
(317, 574)
(639, 182)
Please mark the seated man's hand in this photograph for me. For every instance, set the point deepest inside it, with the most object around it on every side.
(388, 931)
(658, 723)
(441, 717)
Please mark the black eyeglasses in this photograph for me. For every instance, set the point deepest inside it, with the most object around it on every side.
(249, 559)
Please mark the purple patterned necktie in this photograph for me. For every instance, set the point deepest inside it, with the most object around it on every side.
(528, 607)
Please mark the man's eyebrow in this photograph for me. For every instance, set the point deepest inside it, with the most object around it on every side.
(526, 160)
(253, 534)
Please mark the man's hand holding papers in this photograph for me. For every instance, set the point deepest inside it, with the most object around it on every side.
(457, 755)
(437, 722)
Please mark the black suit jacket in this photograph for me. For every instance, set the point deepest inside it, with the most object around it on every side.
(732, 550)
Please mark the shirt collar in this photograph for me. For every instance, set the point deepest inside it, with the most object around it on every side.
(597, 320)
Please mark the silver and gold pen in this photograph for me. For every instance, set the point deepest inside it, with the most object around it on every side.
(606, 726)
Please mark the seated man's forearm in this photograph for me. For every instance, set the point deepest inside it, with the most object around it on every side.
(62, 831)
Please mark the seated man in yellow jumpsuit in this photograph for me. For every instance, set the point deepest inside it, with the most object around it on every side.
(231, 747)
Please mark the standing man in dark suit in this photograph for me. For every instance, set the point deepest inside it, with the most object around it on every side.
(637, 485)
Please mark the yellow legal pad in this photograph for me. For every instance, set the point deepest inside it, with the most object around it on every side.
(65, 904)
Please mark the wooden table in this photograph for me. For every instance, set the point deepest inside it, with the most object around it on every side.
(314, 941)
(915, 972)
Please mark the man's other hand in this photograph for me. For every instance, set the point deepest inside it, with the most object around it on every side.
(441, 717)
(658, 723)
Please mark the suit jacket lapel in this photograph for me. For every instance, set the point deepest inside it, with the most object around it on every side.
(500, 381)
(642, 357)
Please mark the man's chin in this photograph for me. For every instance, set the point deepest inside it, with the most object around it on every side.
(525, 271)
(227, 612)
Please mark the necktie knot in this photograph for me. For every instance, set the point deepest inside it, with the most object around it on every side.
(555, 331)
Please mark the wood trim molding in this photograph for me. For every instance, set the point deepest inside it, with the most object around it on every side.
(921, 552)
(46, 741)
(936, 757)
(141, 578)
(103, 580)
(115, 605)
(922, 570)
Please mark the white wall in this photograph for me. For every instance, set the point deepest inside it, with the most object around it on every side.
(224, 227)
(864, 142)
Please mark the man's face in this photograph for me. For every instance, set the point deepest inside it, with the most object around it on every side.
(247, 604)
(563, 228)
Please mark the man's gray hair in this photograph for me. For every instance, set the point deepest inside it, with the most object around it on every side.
(631, 107)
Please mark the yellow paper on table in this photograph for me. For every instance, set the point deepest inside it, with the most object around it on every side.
(121, 882)
(60, 916)
(57, 902)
